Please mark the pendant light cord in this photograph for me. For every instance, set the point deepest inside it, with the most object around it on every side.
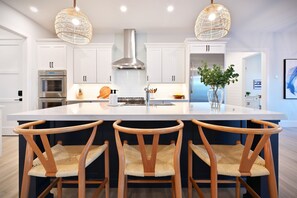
(74, 3)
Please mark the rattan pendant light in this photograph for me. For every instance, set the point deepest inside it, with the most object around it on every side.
(213, 22)
(73, 26)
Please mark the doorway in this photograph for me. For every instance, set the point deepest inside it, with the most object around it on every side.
(252, 81)
(11, 77)
(251, 67)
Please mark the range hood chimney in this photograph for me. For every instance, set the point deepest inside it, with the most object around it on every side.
(129, 61)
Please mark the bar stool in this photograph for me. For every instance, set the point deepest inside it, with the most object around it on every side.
(234, 160)
(149, 158)
(61, 161)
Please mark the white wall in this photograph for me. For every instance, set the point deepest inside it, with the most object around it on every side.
(24, 27)
(277, 46)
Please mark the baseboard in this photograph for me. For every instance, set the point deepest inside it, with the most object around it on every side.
(288, 123)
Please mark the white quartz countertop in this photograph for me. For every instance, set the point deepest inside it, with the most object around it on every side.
(180, 110)
(106, 100)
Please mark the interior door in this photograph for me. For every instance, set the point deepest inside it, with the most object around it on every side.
(11, 82)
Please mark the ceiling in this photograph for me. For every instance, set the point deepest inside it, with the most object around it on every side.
(152, 16)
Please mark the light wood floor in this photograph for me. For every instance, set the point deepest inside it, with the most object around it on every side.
(287, 172)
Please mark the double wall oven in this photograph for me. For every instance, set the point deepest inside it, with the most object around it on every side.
(52, 88)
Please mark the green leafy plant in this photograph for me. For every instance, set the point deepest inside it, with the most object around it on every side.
(217, 78)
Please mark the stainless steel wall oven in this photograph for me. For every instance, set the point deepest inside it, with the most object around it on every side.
(52, 88)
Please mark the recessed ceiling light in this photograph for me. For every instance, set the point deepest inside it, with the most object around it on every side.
(170, 8)
(123, 8)
(33, 9)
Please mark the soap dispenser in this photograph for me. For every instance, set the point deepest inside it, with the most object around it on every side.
(113, 98)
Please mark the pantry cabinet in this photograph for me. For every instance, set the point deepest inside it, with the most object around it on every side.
(165, 63)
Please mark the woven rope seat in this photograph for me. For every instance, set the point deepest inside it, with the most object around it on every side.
(67, 159)
(164, 162)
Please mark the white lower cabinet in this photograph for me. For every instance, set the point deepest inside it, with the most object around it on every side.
(165, 63)
(92, 64)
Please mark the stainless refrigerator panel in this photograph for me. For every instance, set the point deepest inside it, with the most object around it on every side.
(198, 91)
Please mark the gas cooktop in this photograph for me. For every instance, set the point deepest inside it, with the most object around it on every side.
(132, 100)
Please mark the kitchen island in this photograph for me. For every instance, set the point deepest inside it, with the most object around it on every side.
(148, 116)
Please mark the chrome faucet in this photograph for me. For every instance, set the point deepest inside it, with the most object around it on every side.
(147, 95)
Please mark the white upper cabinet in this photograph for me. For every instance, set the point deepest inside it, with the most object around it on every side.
(173, 65)
(93, 64)
(104, 65)
(154, 65)
(84, 65)
(165, 63)
(207, 48)
(51, 56)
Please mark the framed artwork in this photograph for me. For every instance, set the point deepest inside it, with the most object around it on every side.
(257, 84)
(290, 78)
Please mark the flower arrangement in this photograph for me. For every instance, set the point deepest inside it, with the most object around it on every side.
(217, 79)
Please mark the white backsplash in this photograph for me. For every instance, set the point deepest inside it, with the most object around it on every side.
(129, 83)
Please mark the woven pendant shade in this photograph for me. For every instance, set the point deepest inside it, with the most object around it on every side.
(212, 23)
(73, 26)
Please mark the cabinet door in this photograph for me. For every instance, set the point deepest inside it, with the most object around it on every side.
(59, 56)
(52, 57)
(84, 66)
(104, 65)
(173, 65)
(212, 48)
(154, 65)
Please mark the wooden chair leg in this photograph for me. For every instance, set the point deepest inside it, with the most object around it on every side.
(121, 183)
(213, 181)
(190, 170)
(25, 185)
(81, 183)
(237, 190)
(272, 186)
(59, 188)
(173, 187)
(106, 169)
(126, 187)
(177, 185)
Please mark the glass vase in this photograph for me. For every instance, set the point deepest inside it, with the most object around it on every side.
(215, 97)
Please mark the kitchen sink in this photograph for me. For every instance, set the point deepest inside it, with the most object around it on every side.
(151, 104)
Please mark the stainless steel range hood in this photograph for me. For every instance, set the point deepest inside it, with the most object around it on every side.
(129, 61)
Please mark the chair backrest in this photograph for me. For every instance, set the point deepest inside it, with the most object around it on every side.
(28, 130)
(248, 158)
(149, 162)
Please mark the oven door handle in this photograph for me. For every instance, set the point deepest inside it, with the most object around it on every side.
(52, 99)
(52, 77)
